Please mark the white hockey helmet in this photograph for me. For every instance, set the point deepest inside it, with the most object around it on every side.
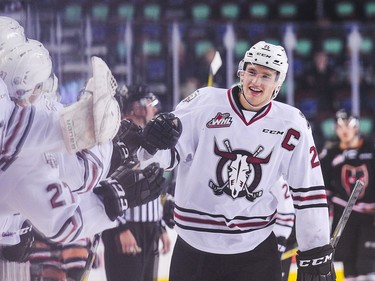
(50, 86)
(24, 68)
(11, 34)
(6, 108)
(4, 95)
(268, 55)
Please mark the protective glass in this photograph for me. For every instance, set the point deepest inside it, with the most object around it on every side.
(265, 79)
(150, 100)
(351, 122)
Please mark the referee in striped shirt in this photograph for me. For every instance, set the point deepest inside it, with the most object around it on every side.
(131, 250)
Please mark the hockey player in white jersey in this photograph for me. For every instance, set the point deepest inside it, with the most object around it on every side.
(39, 190)
(235, 145)
(285, 213)
(284, 222)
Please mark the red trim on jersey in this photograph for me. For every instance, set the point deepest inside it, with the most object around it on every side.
(213, 222)
(312, 197)
(93, 170)
(192, 219)
(258, 115)
(285, 220)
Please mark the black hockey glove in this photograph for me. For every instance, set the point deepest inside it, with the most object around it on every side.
(281, 244)
(125, 144)
(21, 251)
(161, 132)
(316, 264)
(112, 194)
(168, 209)
(128, 188)
(130, 134)
(141, 186)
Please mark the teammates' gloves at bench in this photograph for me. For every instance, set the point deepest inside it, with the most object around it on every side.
(125, 144)
(127, 188)
(21, 251)
(281, 244)
(316, 264)
(161, 132)
(168, 210)
(130, 134)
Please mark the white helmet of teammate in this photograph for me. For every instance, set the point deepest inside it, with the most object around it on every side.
(24, 69)
(51, 84)
(11, 34)
(4, 95)
(268, 55)
(50, 88)
(6, 109)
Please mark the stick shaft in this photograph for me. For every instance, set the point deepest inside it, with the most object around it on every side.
(210, 81)
(91, 257)
(346, 213)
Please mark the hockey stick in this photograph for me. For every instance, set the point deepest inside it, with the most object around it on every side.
(346, 214)
(342, 221)
(214, 67)
(91, 257)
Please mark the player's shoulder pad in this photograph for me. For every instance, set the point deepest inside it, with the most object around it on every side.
(291, 114)
(201, 97)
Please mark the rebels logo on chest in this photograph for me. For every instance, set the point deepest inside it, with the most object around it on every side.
(242, 170)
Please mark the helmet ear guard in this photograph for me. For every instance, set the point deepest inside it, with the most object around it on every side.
(241, 66)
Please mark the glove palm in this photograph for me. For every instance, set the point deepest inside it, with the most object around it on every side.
(161, 132)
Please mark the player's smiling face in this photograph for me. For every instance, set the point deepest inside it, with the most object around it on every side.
(259, 83)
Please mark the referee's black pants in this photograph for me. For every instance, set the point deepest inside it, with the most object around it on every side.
(139, 267)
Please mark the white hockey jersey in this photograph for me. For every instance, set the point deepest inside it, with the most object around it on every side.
(285, 210)
(81, 171)
(35, 185)
(229, 161)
